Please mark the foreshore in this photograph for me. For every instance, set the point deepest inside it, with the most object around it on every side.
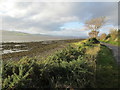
(17, 50)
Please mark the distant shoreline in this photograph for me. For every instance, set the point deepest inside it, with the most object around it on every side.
(47, 40)
(10, 36)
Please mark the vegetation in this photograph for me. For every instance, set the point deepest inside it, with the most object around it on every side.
(34, 48)
(113, 37)
(94, 25)
(80, 65)
(103, 36)
(107, 72)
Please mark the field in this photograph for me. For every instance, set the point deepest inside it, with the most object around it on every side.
(79, 64)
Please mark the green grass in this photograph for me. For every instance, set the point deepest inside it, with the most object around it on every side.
(111, 42)
(107, 70)
(105, 56)
(114, 43)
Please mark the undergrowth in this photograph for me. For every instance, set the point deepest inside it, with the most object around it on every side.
(72, 67)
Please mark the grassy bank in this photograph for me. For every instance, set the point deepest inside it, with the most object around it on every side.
(112, 38)
(116, 43)
(80, 65)
(107, 72)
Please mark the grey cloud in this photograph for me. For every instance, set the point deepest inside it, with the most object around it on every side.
(87, 10)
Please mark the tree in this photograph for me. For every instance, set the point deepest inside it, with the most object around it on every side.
(114, 33)
(93, 34)
(103, 36)
(94, 25)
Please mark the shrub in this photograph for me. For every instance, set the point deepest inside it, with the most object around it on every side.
(68, 54)
(103, 36)
(66, 68)
(19, 75)
(114, 34)
(91, 42)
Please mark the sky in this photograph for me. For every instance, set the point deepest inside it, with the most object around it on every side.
(56, 18)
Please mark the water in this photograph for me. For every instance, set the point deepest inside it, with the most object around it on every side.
(12, 51)
(28, 38)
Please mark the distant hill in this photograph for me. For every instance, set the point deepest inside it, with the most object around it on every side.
(14, 36)
(11, 33)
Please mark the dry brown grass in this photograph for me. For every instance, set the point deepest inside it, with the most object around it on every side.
(93, 50)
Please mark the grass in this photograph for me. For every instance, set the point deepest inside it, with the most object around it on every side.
(116, 43)
(107, 75)
(93, 50)
(107, 71)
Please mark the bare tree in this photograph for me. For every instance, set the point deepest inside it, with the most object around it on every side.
(94, 25)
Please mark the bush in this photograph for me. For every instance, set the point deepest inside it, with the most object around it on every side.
(103, 36)
(20, 74)
(68, 54)
(91, 42)
(66, 68)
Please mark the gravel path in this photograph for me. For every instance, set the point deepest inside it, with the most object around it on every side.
(115, 50)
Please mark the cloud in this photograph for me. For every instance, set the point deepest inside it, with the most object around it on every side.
(49, 17)
(71, 32)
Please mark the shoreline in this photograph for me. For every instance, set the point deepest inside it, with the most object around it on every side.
(27, 41)
(32, 49)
